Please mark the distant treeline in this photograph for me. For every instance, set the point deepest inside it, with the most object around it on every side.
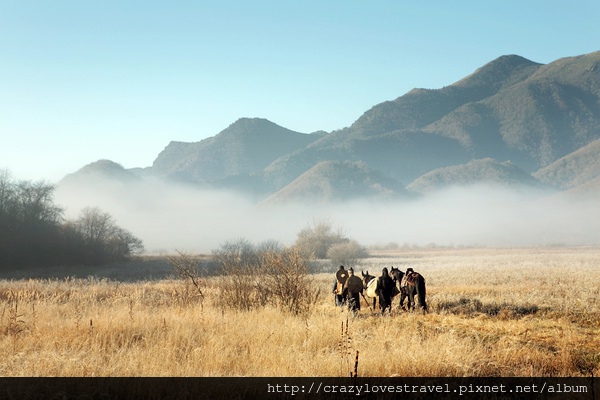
(34, 232)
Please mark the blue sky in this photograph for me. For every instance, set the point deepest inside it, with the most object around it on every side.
(86, 80)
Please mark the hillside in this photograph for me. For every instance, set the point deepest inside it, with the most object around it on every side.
(535, 121)
(578, 168)
(486, 171)
(421, 107)
(589, 190)
(337, 181)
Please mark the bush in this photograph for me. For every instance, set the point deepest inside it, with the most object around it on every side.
(288, 282)
(348, 253)
(253, 277)
(239, 286)
(314, 241)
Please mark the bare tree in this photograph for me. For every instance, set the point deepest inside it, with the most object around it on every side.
(29, 222)
(103, 239)
(238, 264)
(187, 269)
(315, 240)
(288, 281)
(347, 253)
(94, 225)
(36, 202)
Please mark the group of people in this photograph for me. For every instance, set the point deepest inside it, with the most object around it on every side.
(348, 287)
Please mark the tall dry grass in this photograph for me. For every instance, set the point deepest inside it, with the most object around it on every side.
(493, 312)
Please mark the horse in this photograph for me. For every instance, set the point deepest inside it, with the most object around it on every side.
(370, 284)
(409, 285)
(353, 288)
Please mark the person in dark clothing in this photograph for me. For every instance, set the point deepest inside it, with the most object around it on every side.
(353, 288)
(385, 286)
(338, 286)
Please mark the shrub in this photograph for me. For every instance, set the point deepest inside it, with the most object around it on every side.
(287, 280)
(348, 253)
(314, 241)
(253, 277)
(238, 263)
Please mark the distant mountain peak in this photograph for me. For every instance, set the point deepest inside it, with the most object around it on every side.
(102, 166)
(504, 70)
(421, 107)
(245, 147)
(246, 122)
(509, 61)
(252, 128)
(101, 169)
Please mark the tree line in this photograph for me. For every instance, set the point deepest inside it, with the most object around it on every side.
(34, 232)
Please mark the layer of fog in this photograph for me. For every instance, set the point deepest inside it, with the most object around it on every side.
(170, 218)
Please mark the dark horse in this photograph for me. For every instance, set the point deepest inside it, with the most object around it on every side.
(410, 284)
(371, 286)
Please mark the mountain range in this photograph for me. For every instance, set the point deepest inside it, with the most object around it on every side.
(513, 122)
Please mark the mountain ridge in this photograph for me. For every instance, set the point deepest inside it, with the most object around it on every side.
(249, 143)
(511, 108)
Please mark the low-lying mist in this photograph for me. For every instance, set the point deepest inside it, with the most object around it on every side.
(169, 217)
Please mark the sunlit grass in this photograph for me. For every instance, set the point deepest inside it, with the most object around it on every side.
(493, 312)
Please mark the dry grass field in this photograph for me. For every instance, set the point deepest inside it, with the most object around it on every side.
(493, 312)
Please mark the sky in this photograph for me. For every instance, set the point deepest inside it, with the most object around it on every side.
(84, 80)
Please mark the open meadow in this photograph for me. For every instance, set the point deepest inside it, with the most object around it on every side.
(492, 312)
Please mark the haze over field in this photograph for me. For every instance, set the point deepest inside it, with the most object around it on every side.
(169, 217)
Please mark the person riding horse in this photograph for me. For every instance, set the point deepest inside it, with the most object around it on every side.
(338, 286)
